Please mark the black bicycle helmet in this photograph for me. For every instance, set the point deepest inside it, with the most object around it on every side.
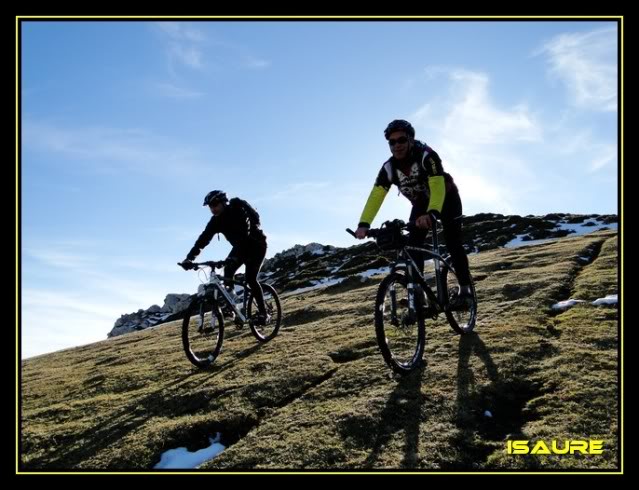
(212, 196)
(399, 125)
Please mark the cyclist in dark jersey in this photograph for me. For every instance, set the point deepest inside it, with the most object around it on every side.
(416, 169)
(240, 224)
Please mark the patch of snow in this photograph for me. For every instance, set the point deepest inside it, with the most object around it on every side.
(564, 305)
(323, 283)
(183, 458)
(518, 241)
(576, 228)
(611, 299)
(580, 229)
(374, 272)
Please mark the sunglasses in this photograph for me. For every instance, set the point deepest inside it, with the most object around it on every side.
(401, 140)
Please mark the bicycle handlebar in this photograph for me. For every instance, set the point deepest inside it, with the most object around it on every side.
(374, 232)
(197, 265)
(370, 233)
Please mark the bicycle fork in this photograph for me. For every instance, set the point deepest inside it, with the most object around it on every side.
(393, 310)
(201, 327)
(409, 317)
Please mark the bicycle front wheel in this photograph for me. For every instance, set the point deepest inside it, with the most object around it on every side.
(266, 332)
(202, 333)
(399, 328)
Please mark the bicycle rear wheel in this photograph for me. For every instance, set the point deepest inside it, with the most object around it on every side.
(400, 330)
(202, 333)
(461, 317)
(264, 333)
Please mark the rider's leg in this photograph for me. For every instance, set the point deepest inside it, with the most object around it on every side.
(452, 223)
(253, 266)
(233, 263)
(417, 237)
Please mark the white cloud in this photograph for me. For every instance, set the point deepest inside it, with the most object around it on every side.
(257, 64)
(580, 146)
(181, 32)
(475, 118)
(341, 202)
(603, 155)
(64, 259)
(105, 272)
(52, 320)
(111, 150)
(175, 232)
(298, 191)
(480, 192)
(502, 157)
(587, 64)
(70, 297)
(37, 300)
(184, 44)
(171, 90)
(188, 55)
(482, 144)
(189, 46)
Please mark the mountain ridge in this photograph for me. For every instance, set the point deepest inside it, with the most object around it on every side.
(302, 267)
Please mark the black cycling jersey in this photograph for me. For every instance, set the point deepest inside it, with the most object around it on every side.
(240, 225)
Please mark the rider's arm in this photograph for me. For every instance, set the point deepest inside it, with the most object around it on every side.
(437, 194)
(376, 197)
(204, 239)
(374, 202)
(432, 164)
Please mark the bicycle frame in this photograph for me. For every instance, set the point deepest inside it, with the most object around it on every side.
(414, 275)
(218, 283)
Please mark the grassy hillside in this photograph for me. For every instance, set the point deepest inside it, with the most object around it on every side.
(320, 397)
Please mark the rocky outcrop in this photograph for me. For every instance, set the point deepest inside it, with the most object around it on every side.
(299, 254)
(174, 304)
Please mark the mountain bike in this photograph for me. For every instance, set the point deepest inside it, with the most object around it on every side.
(406, 297)
(203, 324)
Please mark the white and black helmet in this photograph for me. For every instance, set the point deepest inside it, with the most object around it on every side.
(214, 197)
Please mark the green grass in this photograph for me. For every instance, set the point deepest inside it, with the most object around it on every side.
(320, 397)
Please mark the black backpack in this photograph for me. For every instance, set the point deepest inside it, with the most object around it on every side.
(252, 215)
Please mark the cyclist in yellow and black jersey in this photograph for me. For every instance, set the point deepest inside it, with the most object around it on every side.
(416, 169)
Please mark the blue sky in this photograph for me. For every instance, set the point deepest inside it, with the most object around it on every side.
(126, 125)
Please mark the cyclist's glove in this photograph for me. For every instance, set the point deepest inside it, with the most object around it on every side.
(186, 264)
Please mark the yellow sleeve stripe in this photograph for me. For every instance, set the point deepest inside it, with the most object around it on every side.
(374, 202)
(437, 193)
